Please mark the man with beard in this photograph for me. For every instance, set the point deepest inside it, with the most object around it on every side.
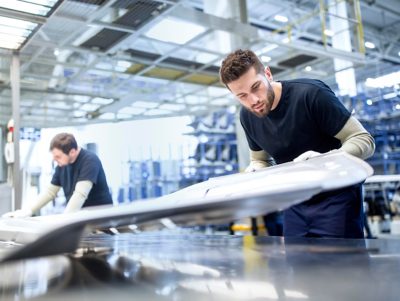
(296, 120)
(80, 174)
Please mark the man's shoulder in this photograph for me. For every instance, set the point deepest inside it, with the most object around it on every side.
(88, 155)
(305, 83)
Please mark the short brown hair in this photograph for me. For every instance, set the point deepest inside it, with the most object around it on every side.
(64, 142)
(238, 63)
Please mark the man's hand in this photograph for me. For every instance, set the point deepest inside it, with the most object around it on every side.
(255, 165)
(307, 155)
(18, 213)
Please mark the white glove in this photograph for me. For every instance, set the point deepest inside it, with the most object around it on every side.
(18, 213)
(307, 155)
(255, 165)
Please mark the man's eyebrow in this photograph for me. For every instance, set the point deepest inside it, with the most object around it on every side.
(255, 84)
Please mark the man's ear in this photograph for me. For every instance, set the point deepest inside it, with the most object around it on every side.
(268, 74)
(72, 152)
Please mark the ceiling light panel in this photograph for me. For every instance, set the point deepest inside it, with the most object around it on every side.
(166, 30)
(35, 7)
(13, 32)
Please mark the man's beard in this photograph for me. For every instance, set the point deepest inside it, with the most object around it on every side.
(267, 104)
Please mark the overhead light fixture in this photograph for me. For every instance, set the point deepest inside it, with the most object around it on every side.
(369, 102)
(398, 106)
(35, 7)
(13, 32)
(308, 68)
(369, 45)
(281, 18)
(328, 32)
(390, 95)
(167, 31)
(285, 40)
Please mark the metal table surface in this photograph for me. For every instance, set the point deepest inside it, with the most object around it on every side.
(189, 266)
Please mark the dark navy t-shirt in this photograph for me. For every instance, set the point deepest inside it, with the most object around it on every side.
(307, 117)
(87, 167)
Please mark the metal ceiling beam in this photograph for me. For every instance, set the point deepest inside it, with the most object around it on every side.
(254, 34)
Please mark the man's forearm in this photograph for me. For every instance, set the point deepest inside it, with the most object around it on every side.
(78, 198)
(45, 197)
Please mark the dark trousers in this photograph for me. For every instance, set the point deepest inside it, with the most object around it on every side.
(337, 214)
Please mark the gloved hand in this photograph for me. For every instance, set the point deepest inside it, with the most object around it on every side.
(307, 155)
(18, 213)
(255, 165)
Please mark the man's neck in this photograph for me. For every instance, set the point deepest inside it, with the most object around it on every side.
(76, 154)
(277, 86)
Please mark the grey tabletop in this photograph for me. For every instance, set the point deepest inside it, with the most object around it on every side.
(190, 266)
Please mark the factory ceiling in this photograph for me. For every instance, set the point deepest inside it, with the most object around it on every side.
(88, 61)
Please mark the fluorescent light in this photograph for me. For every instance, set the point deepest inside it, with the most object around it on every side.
(369, 102)
(369, 45)
(32, 8)
(9, 45)
(11, 39)
(14, 31)
(308, 68)
(174, 31)
(398, 106)
(390, 95)
(17, 23)
(281, 19)
(328, 32)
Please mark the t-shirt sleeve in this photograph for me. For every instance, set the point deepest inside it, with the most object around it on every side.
(56, 177)
(89, 170)
(329, 113)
